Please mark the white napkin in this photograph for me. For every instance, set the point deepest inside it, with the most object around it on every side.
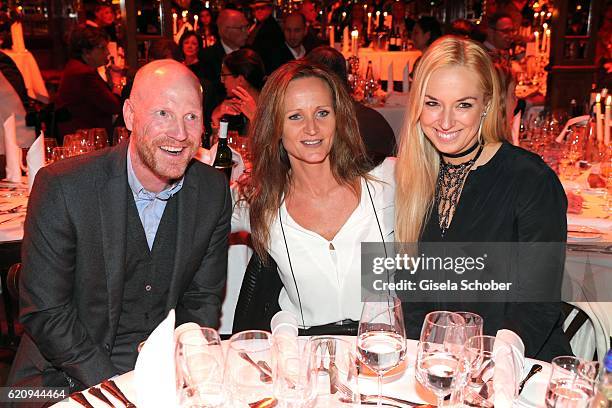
(406, 79)
(569, 123)
(284, 326)
(155, 371)
(208, 157)
(516, 129)
(509, 357)
(35, 158)
(17, 36)
(390, 78)
(12, 151)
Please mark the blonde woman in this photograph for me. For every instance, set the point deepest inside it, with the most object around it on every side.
(458, 181)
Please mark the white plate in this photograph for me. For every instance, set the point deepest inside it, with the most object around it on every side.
(583, 233)
(534, 393)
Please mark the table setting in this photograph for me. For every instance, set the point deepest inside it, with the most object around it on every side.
(452, 364)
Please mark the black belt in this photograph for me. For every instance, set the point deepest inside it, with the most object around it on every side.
(344, 328)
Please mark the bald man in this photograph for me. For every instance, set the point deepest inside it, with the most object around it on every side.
(115, 239)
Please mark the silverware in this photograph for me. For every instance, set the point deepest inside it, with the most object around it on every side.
(365, 398)
(11, 219)
(12, 210)
(96, 392)
(264, 403)
(536, 368)
(80, 398)
(264, 375)
(111, 387)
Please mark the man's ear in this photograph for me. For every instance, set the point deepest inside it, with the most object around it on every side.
(128, 114)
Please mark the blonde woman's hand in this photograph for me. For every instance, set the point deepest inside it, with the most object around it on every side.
(227, 107)
(245, 103)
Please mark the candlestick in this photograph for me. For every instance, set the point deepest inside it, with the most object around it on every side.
(345, 40)
(377, 18)
(332, 34)
(354, 41)
(547, 39)
(369, 23)
(608, 120)
(195, 22)
(174, 24)
(598, 118)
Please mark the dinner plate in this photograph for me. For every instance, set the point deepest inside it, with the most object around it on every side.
(583, 233)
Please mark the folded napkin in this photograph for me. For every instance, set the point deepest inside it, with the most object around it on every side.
(390, 78)
(12, 151)
(155, 371)
(208, 157)
(35, 159)
(509, 358)
(17, 36)
(406, 79)
(516, 129)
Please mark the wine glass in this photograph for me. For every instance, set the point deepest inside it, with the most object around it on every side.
(572, 383)
(199, 359)
(292, 374)
(381, 341)
(473, 324)
(50, 143)
(334, 366)
(248, 373)
(120, 134)
(60, 153)
(100, 138)
(440, 352)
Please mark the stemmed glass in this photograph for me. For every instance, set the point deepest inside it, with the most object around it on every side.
(473, 324)
(199, 360)
(248, 368)
(50, 144)
(381, 341)
(440, 352)
(572, 383)
(479, 351)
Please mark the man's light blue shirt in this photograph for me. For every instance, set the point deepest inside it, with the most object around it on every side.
(150, 205)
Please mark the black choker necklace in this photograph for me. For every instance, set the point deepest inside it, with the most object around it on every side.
(457, 155)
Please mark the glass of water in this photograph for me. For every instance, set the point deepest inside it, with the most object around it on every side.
(572, 383)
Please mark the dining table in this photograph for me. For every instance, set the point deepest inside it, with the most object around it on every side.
(382, 60)
(398, 383)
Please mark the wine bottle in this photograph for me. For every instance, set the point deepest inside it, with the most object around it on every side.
(223, 158)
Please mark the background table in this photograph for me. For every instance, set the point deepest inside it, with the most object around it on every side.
(403, 386)
(382, 59)
(31, 74)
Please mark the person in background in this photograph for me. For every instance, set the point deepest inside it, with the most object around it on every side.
(426, 30)
(457, 181)
(466, 29)
(243, 75)
(13, 75)
(104, 18)
(377, 135)
(89, 100)
(265, 36)
(294, 30)
(501, 33)
(314, 37)
(233, 34)
(312, 198)
(207, 28)
(509, 101)
(115, 239)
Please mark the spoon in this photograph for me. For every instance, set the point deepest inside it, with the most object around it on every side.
(536, 368)
(263, 375)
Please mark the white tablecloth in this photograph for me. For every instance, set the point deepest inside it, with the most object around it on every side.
(404, 386)
(382, 59)
(31, 74)
(394, 115)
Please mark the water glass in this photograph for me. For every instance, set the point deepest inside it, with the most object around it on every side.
(199, 360)
(381, 341)
(335, 369)
(293, 377)
(248, 372)
(50, 143)
(473, 324)
(120, 134)
(100, 138)
(440, 353)
(60, 153)
(572, 383)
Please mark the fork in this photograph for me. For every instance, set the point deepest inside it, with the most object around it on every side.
(96, 392)
(364, 398)
(80, 398)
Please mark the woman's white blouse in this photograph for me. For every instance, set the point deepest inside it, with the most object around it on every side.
(328, 273)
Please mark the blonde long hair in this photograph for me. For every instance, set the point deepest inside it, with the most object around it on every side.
(418, 160)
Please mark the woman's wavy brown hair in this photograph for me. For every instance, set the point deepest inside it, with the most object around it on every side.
(270, 179)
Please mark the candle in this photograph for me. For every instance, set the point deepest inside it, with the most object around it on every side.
(598, 118)
(174, 26)
(369, 22)
(354, 41)
(547, 41)
(184, 14)
(608, 120)
(195, 22)
(332, 34)
(536, 34)
(345, 40)
(377, 22)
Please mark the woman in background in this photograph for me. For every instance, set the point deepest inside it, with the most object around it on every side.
(457, 181)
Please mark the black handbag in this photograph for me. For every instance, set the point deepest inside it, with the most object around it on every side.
(258, 298)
